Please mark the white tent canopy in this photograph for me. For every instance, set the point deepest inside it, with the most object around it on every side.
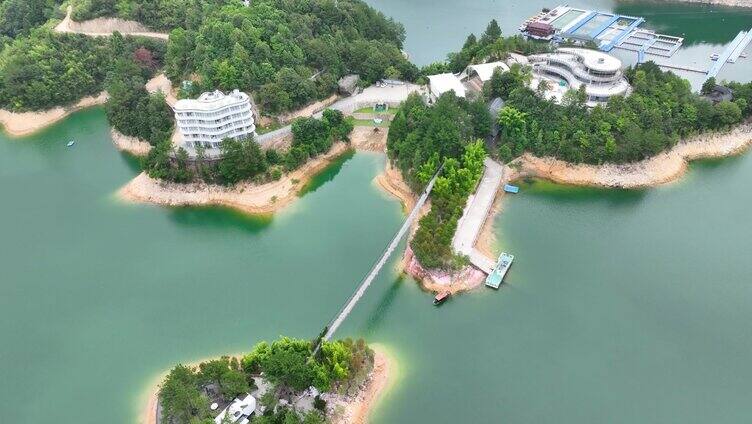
(442, 83)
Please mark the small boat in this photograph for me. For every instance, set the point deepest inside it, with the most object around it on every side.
(743, 55)
(441, 298)
(511, 188)
(714, 56)
(70, 143)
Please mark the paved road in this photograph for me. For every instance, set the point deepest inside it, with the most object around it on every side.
(475, 214)
(392, 95)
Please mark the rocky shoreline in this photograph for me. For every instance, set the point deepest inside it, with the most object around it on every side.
(663, 168)
(246, 197)
(20, 124)
(132, 145)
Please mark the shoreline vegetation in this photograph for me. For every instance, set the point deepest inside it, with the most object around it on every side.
(246, 196)
(370, 372)
(666, 168)
(663, 168)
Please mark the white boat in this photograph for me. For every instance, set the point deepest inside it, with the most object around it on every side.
(71, 143)
(714, 56)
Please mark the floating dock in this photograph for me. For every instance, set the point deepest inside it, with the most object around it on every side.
(607, 30)
(731, 53)
(496, 277)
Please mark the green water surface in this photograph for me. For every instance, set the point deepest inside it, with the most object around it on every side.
(621, 307)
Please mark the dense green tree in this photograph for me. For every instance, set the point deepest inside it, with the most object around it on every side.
(180, 396)
(288, 53)
(20, 16)
(241, 160)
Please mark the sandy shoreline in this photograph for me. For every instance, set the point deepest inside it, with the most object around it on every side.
(25, 123)
(356, 410)
(245, 197)
(127, 144)
(148, 414)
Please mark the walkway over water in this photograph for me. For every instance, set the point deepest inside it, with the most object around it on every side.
(732, 52)
(353, 300)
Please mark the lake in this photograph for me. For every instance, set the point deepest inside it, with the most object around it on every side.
(621, 307)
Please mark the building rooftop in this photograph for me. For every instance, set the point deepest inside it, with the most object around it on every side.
(594, 59)
(441, 83)
(486, 70)
(211, 100)
(239, 410)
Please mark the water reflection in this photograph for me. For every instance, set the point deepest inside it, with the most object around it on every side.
(219, 218)
(697, 23)
(328, 173)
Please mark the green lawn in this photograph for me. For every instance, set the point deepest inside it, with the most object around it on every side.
(368, 123)
(391, 111)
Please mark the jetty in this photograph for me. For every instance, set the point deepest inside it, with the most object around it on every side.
(731, 53)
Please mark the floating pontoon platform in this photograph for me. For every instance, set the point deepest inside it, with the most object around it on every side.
(496, 277)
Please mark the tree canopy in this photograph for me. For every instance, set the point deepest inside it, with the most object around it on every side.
(287, 363)
(288, 53)
(48, 69)
(422, 137)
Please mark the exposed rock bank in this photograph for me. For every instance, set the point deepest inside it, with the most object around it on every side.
(132, 145)
(436, 280)
(246, 197)
(25, 123)
(660, 169)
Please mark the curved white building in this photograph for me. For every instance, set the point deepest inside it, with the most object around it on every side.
(599, 73)
(213, 117)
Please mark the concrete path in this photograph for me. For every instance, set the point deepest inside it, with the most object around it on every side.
(477, 208)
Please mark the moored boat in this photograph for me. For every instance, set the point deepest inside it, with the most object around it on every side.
(441, 298)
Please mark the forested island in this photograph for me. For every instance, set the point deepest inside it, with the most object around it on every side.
(287, 383)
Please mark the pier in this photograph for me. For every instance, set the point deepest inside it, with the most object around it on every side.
(731, 53)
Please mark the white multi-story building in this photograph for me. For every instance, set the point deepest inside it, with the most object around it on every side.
(571, 68)
(212, 117)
